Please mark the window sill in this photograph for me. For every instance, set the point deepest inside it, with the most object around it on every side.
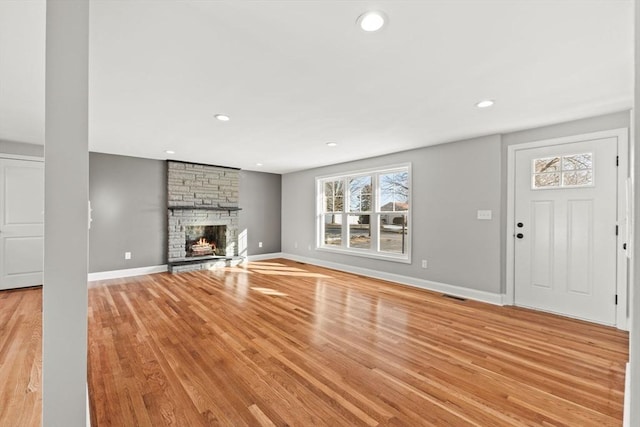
(403, 259)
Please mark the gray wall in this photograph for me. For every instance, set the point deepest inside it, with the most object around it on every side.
(260, 200)
(450, 182)
(575, 127)
(22, 149)
(129, 201)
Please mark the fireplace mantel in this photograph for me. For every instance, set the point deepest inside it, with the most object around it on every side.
(204, 208)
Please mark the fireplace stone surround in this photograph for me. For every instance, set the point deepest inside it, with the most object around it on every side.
(201, 195)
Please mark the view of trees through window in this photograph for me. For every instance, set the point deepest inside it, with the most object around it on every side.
(566, 171)
(366, 213)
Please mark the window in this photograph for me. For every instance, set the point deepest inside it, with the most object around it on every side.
(366, 213)
(563, 171)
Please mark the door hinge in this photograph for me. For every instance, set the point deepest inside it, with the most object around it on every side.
(616, 299)
(617, 160)
(616, 230)
(624, 246)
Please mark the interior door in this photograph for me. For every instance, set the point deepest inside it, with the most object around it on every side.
(21, 223)
(565, 229)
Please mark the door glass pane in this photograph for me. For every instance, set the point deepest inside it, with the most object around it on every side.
(333, 229)
(573, 170)
(577, 162)
(546, 180)
(360, 231)
(577, 178)
(393, 233)
(550, 164)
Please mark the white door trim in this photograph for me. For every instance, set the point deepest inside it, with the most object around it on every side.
(622, 136)
(21, 157)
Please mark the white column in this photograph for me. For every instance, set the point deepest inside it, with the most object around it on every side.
(64, 371)
(634, 344)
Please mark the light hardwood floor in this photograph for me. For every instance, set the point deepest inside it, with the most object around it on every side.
(21, 357)
(281, 343)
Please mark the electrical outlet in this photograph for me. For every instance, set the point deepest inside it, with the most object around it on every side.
(127, 255)
(424, 263)
(295, 245)
(259, 244)
(484, 214)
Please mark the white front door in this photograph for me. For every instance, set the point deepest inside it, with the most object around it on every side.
(21, 223)
(565, 229)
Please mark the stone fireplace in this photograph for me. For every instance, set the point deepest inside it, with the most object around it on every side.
(203, 216)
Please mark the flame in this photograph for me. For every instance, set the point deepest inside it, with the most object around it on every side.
(202, 241)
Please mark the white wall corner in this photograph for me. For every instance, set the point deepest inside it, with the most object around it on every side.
(458, 291)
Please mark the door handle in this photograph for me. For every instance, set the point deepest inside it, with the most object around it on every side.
(519, 235)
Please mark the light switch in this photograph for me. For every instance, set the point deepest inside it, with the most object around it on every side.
(484, 214)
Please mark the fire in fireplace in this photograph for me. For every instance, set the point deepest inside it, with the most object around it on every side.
(205, 240)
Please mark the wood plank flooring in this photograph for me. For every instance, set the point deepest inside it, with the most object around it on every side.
(280, 343)
(21, 357)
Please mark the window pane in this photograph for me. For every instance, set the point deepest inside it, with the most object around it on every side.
(394, 191)
(393, 233)
(360, 231)
(577, 178)
(551, 164)
(333, 230)
(334, 196)
(543, 180)
(577, 162)
(360, 194)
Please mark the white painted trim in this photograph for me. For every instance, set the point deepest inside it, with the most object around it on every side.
(21, 157)
(488, 297)
(129, 272)
(371, 253)
(88, 409)
(622, 135)
(261, 257)
(626, 413)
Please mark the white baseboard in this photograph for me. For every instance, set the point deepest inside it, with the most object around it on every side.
(458, 291)
(627, 407)
(129, 272)
(264, 256)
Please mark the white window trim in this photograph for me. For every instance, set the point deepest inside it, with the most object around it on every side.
(366, 253)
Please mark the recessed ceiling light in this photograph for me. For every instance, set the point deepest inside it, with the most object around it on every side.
(332, 144)
(258, 164)
(485, 103)
(371, 21)
(222, 117)
(169, 151)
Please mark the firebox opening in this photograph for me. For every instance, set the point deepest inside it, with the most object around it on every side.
(205, 240)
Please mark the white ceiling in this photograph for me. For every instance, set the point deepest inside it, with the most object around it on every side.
(294, 75)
